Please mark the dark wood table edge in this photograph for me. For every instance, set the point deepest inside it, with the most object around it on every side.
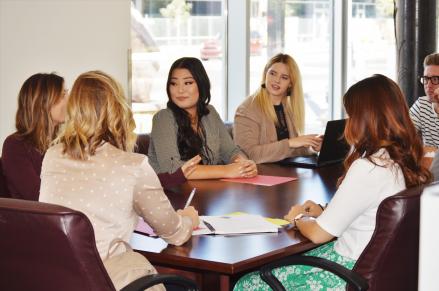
(198, 265)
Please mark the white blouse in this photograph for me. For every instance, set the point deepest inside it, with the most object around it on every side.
(351, 214)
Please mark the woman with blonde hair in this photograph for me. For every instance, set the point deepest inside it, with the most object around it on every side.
(41, 108)
(386, 158)
(92, 168)
(269, 124)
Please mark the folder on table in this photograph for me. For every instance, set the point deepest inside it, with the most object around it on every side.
(231, 224)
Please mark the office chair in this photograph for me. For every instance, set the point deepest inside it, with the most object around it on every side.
(389, 261)
(3, 188)
(50, 247)
(142, 143)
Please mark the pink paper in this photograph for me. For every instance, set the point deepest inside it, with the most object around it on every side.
(143, 227)
(262, 180)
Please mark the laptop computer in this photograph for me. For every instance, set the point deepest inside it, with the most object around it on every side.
(334, 148)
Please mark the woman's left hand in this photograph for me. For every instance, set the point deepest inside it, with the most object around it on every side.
(190, 165)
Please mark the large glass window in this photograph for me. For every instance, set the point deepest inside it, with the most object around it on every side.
(163, 31)
(302, 30)
(330, 55)
(371, 40)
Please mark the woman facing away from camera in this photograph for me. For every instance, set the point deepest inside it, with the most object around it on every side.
(385, 159)
(41, 108)
(91, 168)
(190, 128)
(269, 124)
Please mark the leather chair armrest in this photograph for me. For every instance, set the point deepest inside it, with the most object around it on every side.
(352, 278)
(151, 280)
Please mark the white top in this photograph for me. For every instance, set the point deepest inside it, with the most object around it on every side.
(351, 214)
(426, 121)
(112, 188)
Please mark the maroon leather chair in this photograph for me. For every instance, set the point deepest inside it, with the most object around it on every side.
(142, 143)
(3, 188)
(49, 247)
(390, 260)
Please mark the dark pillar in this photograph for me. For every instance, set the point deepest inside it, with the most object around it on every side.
(415, 38)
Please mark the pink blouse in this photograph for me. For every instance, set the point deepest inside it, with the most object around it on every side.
(112, 188)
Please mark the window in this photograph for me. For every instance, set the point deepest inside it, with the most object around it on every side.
(163, 31)
(335, 43)
(302, 30)
(373, 50)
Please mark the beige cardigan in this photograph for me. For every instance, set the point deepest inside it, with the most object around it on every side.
(256, 135)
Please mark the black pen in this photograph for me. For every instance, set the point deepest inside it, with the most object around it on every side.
(209, 226)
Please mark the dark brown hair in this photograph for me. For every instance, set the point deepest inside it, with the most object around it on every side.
(379, 118)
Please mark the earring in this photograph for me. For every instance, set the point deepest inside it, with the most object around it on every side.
(263, 85)
(289, 91)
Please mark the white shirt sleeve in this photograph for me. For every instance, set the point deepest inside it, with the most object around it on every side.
(354, 196)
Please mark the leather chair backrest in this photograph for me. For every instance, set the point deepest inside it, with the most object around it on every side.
(229, 127)
(142, 143)
(3, 188)
(48, 247)
(390, 260)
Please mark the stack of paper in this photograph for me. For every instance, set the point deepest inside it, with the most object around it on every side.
(231, 224)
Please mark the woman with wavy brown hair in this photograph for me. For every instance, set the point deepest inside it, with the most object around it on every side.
(385, 159)
(41, 108)
(91, 168)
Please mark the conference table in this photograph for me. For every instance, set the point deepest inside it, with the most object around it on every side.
(216, 262)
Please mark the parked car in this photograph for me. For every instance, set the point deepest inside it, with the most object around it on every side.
(211, 48)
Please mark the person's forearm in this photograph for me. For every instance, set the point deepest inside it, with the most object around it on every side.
(312, 231)
(238, 157)
(208, 172)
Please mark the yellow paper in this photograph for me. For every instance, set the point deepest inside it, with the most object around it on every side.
(277, 221)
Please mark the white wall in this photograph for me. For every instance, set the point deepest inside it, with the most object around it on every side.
(64, 36)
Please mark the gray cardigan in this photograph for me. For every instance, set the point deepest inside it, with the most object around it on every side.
(163, 153)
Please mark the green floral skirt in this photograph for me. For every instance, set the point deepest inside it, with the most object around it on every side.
(300, 277)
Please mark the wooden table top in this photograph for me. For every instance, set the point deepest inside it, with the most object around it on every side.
(234, 254)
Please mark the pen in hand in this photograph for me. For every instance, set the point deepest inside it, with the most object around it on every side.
(189, 200)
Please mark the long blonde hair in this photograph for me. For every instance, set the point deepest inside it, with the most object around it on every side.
(33, 120)
(294, 101)
(97, 112)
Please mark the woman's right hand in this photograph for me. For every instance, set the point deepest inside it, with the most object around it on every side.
(192, 213)
(190, 165)
(307, 140)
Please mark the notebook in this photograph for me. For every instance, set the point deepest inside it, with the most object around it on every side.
(234, 224)
(334, 148)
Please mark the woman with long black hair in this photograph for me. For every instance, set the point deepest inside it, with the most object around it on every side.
(189, 127)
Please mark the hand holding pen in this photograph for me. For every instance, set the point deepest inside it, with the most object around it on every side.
(309, 208)
(190, 211)
(189, 200)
